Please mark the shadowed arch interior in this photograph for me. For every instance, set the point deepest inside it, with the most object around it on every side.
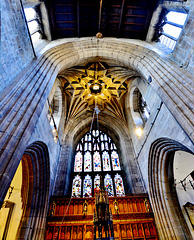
(35, 191)
(168, 215)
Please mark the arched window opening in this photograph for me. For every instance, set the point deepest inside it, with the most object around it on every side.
(76, 189)
(139, 108)
(170, 27)
(183, 171)
(55, 111)
(96, 154)
(34, 23)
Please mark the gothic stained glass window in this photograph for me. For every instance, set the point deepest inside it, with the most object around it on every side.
(87, 186)
(76, 189)
(115, 161)
(119, 187)
(78, 162)
(106, 161)
(97, 153)
(108, 185)
(97, 183)
(87, 162)
(97, 161)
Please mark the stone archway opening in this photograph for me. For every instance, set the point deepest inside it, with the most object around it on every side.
(163, 195)
(27, 198)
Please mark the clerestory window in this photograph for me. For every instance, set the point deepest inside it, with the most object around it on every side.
(34, 22)
(96, 154)
(170, 28)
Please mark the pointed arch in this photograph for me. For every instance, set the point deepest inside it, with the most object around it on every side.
(22, 105)
(35, 191)
(168, 215)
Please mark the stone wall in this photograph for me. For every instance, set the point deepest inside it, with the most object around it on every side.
(16, 48)
(43, 132)
(161, 124)
(183, 53)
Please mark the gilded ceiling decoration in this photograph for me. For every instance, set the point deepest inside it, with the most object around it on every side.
(96, 84)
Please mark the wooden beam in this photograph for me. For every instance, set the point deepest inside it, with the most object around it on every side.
(78, 19)
(121, 17)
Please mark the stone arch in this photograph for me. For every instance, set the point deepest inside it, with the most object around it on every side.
(35, 191)
(168, 215)
(23, 104)
(118, 132)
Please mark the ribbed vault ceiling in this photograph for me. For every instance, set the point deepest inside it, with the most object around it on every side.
(96, 83)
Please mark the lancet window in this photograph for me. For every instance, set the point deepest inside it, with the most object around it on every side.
(96, 154)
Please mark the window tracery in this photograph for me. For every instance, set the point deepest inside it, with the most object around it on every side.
(169, 27)
(96, 154)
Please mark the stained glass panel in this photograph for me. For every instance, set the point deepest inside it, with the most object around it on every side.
(77, 147)
(106, 145)
(90, 146)
(93, 132)
(106, 161)
(89, 137)
(85, 146)
(102, 137)
(97, 162)
(120, 192)
(105, 137)
(76, 189)
(87, 188)
(86, 137)
(87, 162)
(108, 185)
(80, 147)
(97, 183)
(78, 162)
(115, 161)
(102, 146)
(95, 147)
